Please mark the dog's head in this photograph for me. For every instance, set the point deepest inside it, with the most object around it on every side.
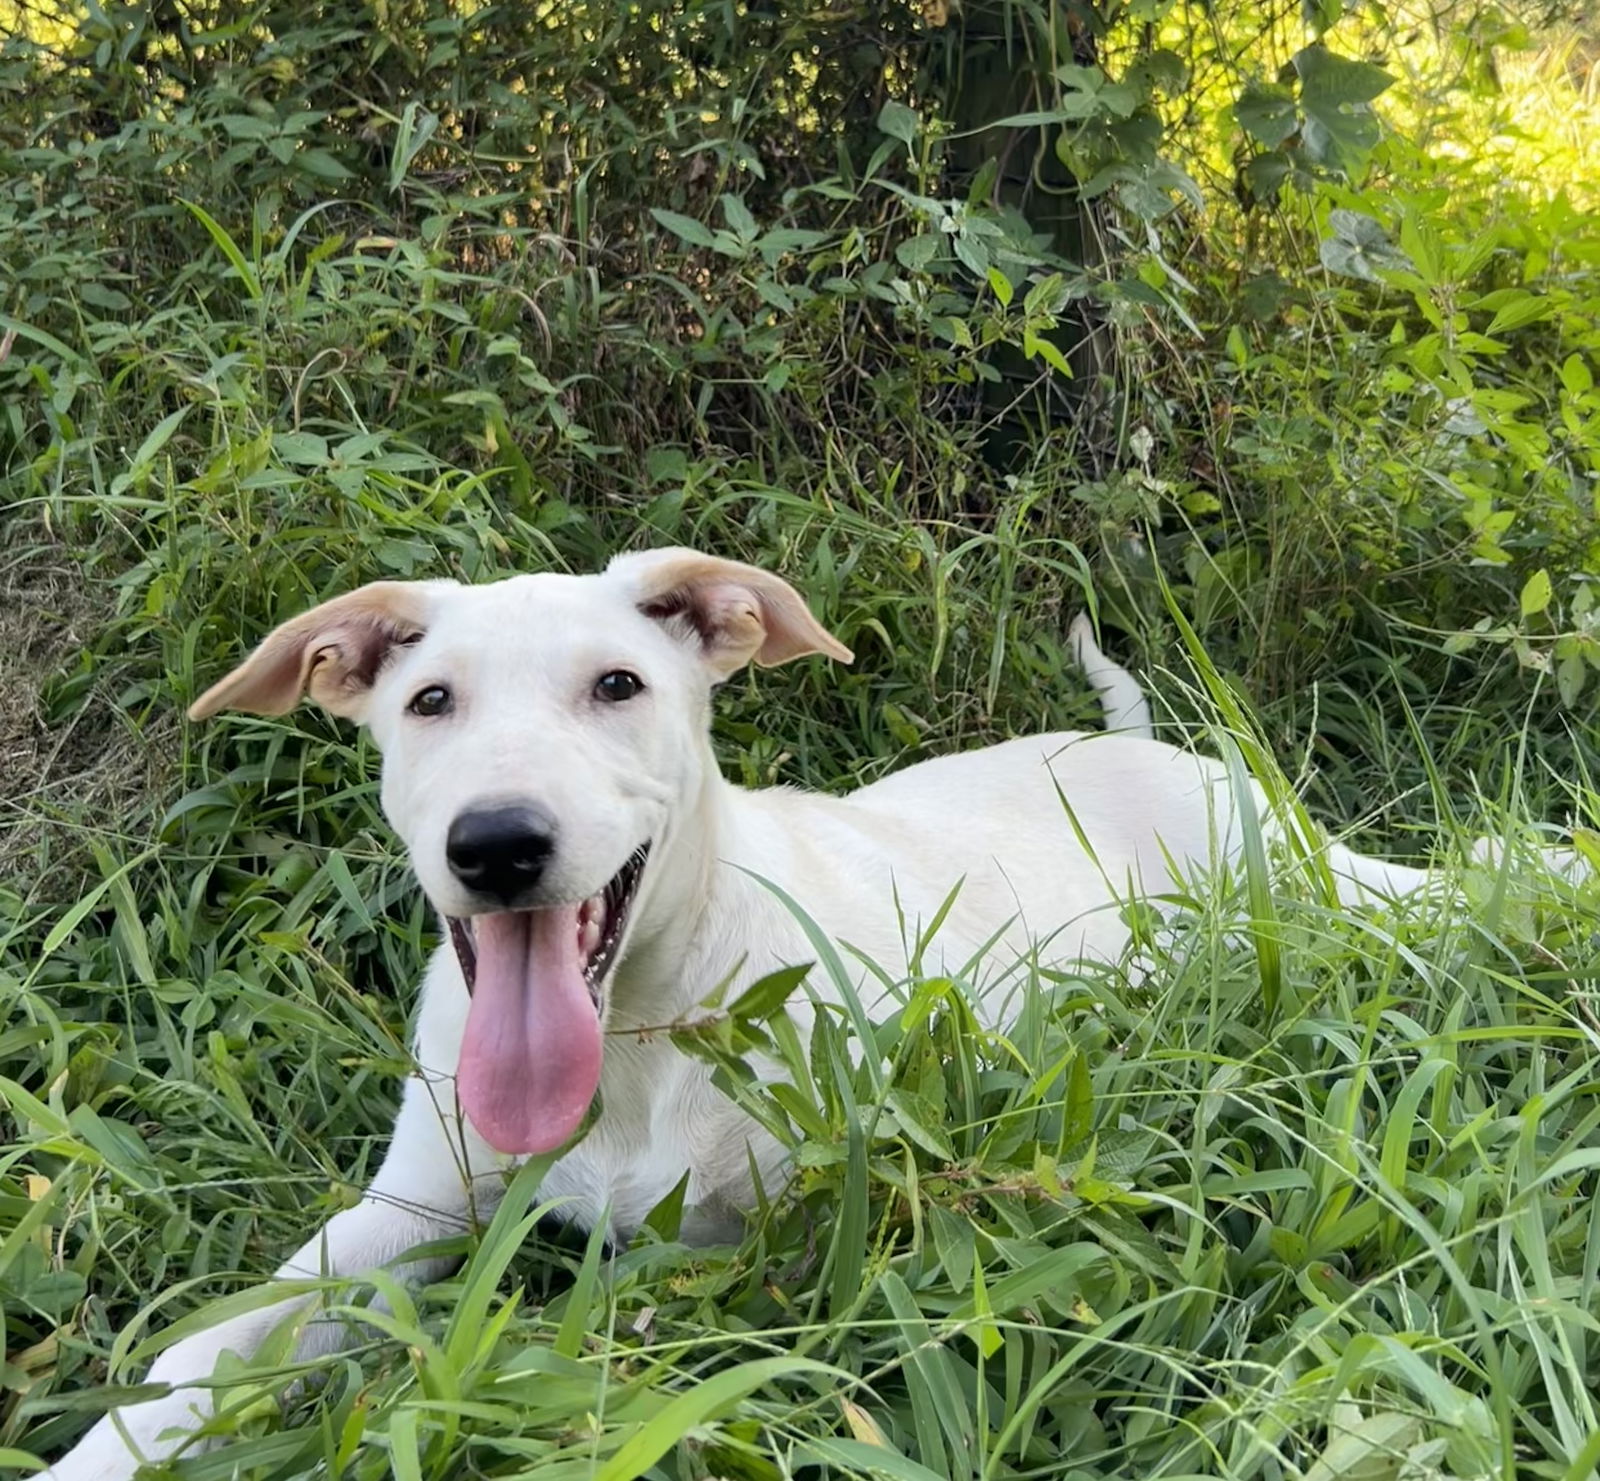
(541, 736)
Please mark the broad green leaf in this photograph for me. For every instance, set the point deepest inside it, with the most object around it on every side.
(898, 121)
(738, 215)
(1335, 94)
(685, 228)
(1266, 112)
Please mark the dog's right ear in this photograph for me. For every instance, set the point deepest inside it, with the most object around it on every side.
(739, 614)
(334, 651)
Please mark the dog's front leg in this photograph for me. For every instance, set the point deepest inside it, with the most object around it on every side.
(423, 1192)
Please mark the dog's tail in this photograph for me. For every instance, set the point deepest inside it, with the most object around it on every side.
(1126, 708)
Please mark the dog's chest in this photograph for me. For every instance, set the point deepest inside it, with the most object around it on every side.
(660, 1115)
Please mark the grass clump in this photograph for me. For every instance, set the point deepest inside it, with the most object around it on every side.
(312, 296)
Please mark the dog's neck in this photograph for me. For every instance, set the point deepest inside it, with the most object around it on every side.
(661, 977)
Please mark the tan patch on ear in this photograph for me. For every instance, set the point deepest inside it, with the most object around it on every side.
(334, 651)
(741, 613)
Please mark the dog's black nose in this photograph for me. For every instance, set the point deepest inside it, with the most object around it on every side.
(501, 851)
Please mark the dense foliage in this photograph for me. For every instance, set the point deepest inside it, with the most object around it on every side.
(1282, 325)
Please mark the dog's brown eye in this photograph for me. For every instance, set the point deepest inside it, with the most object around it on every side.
(434, 700)
(617, 686)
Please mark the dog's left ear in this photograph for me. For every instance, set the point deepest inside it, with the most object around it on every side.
(738, 613)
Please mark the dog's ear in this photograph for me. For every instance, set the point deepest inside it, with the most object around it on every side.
(334, 651)
(737, 613)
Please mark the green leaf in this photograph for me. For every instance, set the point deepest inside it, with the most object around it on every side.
(1359, 247)
(918, 251)
(856, 1456)
(984, 1331)
(685, 228)
(781, 239)
(417, 126)
(1001, 285)
(696, 1407)
(973, 254)
(322, 165)
(1340, 128)
(1321, 16)
(1266, 112)
(1572, 673)
(1331, 81)
(738, 216)
(101, 297)
(580, 1298)
(767, 996)
(1536, 594)
(898, 121)
(1035, 345)
(229, 249)
(1576, 377)
(1527, 309)
(1372, 1450)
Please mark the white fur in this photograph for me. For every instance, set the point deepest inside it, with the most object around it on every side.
(1124, 702)
(522, 656)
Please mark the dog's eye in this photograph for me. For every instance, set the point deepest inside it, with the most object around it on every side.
(434, 700)
(617, 686)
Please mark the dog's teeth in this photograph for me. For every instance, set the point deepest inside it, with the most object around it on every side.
(589, 936)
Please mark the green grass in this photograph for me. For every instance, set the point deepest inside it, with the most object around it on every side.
(1290, 1193)
(1154, 1229)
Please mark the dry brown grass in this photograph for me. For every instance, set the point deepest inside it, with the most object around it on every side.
(64, 760)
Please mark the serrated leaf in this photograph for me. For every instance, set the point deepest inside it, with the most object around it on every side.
(1528, 309)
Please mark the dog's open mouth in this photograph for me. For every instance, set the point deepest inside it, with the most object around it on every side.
(600, 921)
(531, 1052)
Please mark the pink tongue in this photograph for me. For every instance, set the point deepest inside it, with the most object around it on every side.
(530, 1060)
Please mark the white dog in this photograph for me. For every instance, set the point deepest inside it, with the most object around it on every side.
(547, 763)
